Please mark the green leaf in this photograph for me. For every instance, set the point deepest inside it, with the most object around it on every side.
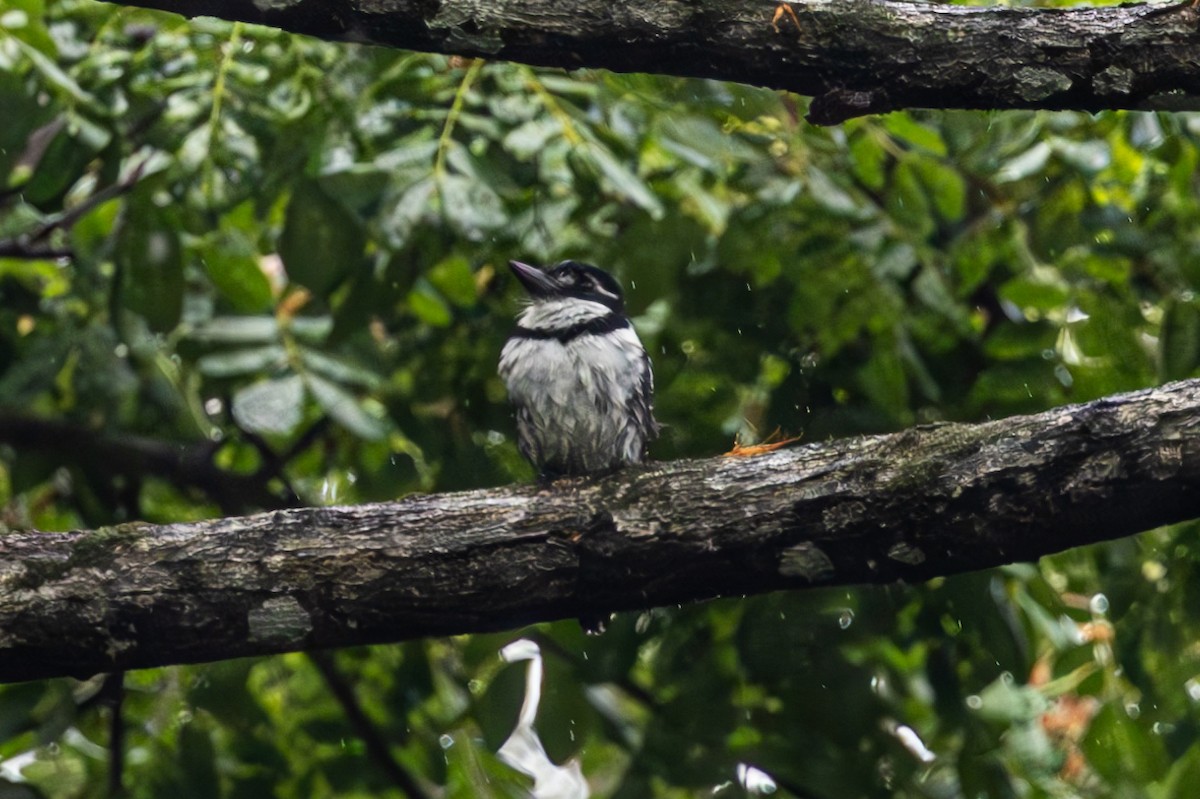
(197, 772)
(623, 181)
(1089, 157)
(883, 380)
(91, 233)
(946, 186)
(243, 361)
(64, 775)
(427, 305)
(702, 142)
(527, 140)
(358, 186)
(902, 126)
(339, 369)
(831, 196)
(273, 407)
(65, 160)
(237, 330)
(28, 125)
(1025, 164)
(313, 329)
(1016, 341)
(55, 76)
(345, 408)
(321, 240)
(1181, 779)
(907, 202)
(231, 262)
(1120, 749)
(1179, 340)
(455, 280)
(867, 159)
(471, 205)
(1004, 700)
(150, 257)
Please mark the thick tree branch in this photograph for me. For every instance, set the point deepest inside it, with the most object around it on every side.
(929, 501)
(855, 57)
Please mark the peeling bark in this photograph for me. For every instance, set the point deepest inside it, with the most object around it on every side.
(929, 501)
(854, 57)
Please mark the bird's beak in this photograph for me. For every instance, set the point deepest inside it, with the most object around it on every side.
(535, 281)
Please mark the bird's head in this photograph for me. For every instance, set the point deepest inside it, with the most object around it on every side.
(570, 280)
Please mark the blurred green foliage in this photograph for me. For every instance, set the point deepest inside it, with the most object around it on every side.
(276, 250)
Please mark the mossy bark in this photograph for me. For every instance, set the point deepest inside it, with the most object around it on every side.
(854, 57)
(929, 501)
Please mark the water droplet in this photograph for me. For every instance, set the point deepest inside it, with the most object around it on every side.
(974, 701)
(643, 623)
(1133, 710)
(1192, 687)
(846, 619)
(213, 406)
(1098, 604)
(446, 741)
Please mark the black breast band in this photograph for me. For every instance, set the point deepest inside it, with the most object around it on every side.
(595, 327)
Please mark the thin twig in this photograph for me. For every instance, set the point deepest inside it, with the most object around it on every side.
(114, 693)
(377, 747)
(23, 246)
(66, 219)
(16, 248)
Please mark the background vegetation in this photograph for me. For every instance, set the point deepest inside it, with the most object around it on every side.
(228, 245)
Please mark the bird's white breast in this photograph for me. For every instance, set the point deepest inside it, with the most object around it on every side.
(577, 396)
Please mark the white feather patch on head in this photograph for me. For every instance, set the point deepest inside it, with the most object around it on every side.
(561, 313)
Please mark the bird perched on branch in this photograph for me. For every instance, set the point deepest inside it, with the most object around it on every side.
(577, 373)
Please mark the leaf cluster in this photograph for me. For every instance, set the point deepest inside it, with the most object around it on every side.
(287, 258)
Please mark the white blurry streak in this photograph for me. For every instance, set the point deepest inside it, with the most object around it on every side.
(10, 767)
(755, 780)
(909, 739)
(523, 750)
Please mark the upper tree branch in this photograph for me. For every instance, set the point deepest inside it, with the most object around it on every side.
(854, 57)
(929, 501)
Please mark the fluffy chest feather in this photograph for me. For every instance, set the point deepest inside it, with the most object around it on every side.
(583, 401)
(594, 371)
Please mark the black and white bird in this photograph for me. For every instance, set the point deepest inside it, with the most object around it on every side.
(577, 373)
